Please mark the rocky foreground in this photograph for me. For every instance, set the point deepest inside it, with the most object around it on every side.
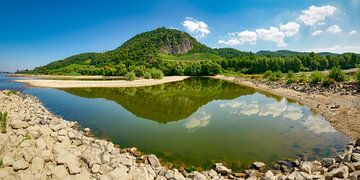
(40, 145)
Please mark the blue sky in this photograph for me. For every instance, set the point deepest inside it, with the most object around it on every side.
(36, 32)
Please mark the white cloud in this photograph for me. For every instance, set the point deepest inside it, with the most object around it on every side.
(199, 28)
(338, 49)
(352, 32)
(240, 38)
(317, 32)
(290, 29)
(201, 119)
(334, 29)
(230, 42)
(272, 34)
(248, 36)
(316, 15)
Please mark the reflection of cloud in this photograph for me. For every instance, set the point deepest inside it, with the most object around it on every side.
(271, 107)
(201, 119)
(318, 125)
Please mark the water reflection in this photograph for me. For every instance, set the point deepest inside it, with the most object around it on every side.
(250, 106)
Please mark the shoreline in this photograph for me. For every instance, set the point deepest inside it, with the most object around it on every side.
(40, 145)
(345, 117)
(96, 83)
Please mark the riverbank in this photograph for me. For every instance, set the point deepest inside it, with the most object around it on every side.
(342, 110)
(61, 77)
(54, 83)
(39, 145)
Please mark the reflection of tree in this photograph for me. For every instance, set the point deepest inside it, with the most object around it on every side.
(167, 102)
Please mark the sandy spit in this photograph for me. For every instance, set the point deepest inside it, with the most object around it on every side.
(345, 119)
(113, 83)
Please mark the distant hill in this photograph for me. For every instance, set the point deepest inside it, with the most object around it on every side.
(177, 53)
(285, 53)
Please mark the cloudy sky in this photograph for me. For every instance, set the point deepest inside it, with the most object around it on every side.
(34, 33)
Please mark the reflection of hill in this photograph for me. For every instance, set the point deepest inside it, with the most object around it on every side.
(167, 102)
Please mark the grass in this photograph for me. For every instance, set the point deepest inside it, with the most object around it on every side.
(3, 121)
(190, 57)
(10, 92)
(26, 137)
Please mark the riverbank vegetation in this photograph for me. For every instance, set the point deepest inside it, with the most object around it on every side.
(175, 52)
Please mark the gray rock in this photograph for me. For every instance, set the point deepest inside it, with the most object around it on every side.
(59, 172)
(259, 165)
(20, 164)
(17, 124)
(105, 157)
(310, 166)
(153, 160)
(220, 168)
(174, 174)
(355, 157)
(118, 172)
(37, 164)
(197, 176)
(95, 168)
(341, 172)
(354, 175)
(7, 160)
(327, 162)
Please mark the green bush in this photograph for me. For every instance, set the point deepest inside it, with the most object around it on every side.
(290, 80)
(303, 78)
(357, 77)
(147, 75)
(130, 76)
(290, 75)
(275, 76)
(316, 77)
(337, 74)
(156, 73)
(267, 73)
(326, 81)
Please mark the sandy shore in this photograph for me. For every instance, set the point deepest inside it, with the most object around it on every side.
(97, 83)
(346, 118)
(66, 77)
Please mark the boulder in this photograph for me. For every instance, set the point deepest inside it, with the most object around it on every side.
(95, 168)
(355, 157)
(153, 160)
(17, 124)
(310, 166)
(7, 160)
(327, 162)
(174, 174)
(259, 165)
(59, 172)
(20, 164)
(220, 168)
(37, 164)
(341, 172)
(195, 175)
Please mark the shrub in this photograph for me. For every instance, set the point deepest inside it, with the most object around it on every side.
(316, 77)
(357, 77)
(337, 74)
(326, 81)
(290, 81)
(303, 78)
(3, 117)
(290, 75)
(267, 73)
(147, 75)
(275, 76)
(130, 76)
(156, 73)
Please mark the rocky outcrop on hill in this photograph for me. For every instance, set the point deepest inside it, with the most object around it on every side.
(40, 145)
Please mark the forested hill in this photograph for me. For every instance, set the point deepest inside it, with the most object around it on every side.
(177, 53)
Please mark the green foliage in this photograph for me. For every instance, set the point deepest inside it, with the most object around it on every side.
(337, 74)
(10, 92)
(326, 81)
(147, 75)
(290, 75)
(130, 76)
(316, 77)
(303, 78)
(357, 77)
(156, 73)
(267, 74)
(276, 76)
(3, 122)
